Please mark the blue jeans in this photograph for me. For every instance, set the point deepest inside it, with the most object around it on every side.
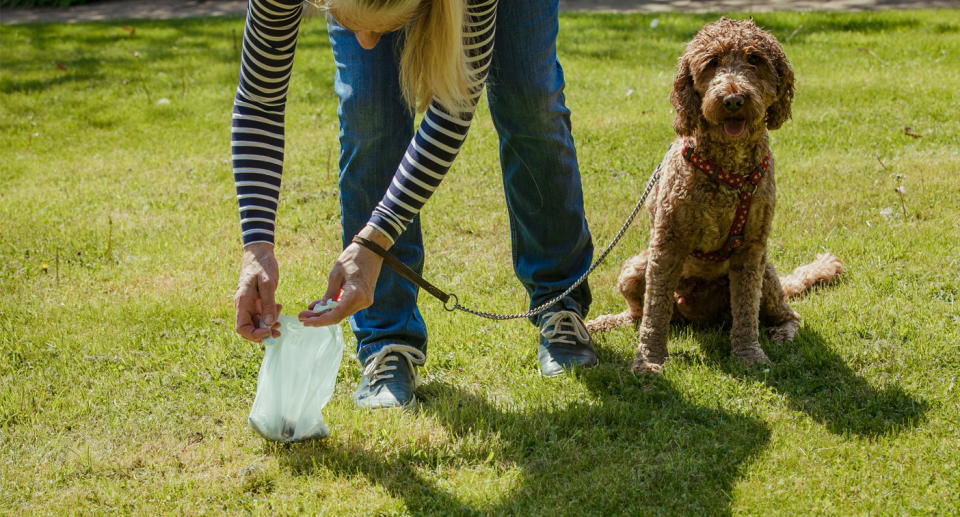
(550, 240)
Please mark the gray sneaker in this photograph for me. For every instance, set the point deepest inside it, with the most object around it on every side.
(564, 340)
(389, 378)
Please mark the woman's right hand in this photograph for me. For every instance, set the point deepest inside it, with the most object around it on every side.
(351, 282)
(254, 300)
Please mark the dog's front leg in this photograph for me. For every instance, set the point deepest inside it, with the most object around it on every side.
(746, 282)
(667, 253)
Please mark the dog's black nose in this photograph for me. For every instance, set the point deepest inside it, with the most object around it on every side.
(733, 102)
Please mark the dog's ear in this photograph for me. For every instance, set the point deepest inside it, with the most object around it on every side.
(779, 111)
(685, 100)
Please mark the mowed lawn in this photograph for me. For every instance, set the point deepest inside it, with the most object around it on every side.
(125, 389)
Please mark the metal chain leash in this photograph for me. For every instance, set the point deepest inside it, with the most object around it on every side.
(540, 308)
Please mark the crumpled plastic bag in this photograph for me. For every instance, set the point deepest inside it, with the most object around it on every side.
(296, 379)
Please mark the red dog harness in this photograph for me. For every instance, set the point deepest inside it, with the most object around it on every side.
(746, 187)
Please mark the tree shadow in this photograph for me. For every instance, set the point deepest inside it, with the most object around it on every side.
(637, 447)
(103, 50)
(817, 381)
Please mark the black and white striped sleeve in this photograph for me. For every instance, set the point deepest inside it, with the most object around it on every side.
(269, 40)
(441, 133)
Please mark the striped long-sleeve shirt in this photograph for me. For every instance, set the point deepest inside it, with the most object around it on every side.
(269, 40)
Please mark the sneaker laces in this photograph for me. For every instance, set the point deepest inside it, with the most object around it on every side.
(564, 327)
(378, 366)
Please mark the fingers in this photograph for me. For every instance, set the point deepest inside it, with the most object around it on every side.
(329, 316)
(351, 301)
(266, 287)
(251, 333)
(244, 305)
(342, 290)
(256, 309)
(275, 328)
(247, 325)
(250, 323)
(325, 300)
(352, 282)
(334, 290)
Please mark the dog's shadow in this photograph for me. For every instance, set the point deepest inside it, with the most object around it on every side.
(630, 448)
(815, 380)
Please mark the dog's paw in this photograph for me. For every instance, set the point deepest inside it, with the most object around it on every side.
(641, 366)
(645, 363)
(783, 333)
(750, 355)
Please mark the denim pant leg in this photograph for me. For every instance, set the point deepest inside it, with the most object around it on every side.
(375, 128)
(551, 243)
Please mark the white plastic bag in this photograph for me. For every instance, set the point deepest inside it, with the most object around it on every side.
(297, 377)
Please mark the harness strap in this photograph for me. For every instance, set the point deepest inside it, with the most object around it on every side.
(746, 185)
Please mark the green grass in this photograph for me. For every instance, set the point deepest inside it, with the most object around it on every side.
(123, 387)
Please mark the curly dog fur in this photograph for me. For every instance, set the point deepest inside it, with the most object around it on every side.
(733, 84)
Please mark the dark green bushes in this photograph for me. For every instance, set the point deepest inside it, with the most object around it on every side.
(41, 3)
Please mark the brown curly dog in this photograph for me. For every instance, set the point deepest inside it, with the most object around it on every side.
(712, 208)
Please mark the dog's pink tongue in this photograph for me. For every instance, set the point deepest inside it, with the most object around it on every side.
(734, 127)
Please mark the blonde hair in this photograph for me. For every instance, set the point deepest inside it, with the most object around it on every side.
(433, 65)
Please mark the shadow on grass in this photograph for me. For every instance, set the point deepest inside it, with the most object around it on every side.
(639, 448)
(817, 381)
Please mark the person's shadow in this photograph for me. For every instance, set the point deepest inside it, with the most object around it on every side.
(635, 447)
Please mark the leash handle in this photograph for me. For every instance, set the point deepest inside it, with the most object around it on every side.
(401, 269)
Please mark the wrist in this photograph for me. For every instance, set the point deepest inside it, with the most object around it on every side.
(258, 249)
(371, 233)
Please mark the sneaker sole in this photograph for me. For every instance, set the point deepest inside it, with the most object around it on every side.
(565, 370)
(408, 405)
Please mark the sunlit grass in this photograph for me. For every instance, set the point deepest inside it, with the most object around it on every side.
(125, 389)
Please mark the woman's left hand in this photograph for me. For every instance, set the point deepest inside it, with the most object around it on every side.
(351, 282)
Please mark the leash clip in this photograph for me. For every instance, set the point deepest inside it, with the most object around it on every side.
(456, 302)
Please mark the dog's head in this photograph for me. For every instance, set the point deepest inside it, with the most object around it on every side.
(733, 81)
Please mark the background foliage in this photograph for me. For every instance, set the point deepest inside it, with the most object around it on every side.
(41, 3)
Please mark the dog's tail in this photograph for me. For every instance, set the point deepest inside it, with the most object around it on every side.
(611, 321)
(825, 269)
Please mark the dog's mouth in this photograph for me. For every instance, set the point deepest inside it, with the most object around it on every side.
(734, 127)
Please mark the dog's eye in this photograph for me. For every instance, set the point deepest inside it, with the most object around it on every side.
(755, 60)
(713, 62)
